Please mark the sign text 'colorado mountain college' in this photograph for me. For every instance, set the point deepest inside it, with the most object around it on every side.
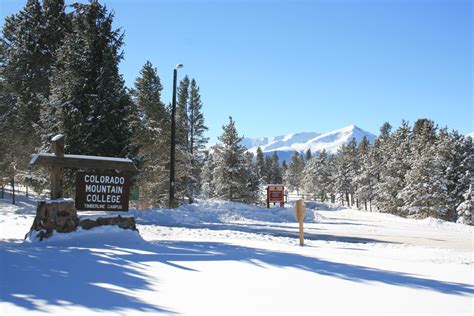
(102, 191)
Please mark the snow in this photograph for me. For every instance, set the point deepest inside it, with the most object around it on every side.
(57, 137)
(217, 257)
(83, 157)
(94, 236)
(470, 135)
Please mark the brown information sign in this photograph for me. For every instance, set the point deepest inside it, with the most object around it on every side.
(102, 191)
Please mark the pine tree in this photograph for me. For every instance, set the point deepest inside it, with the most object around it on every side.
(152, 137)
(316, 177)
(396, 153)
(197, 140)
(465, 208)
(260, 162)
(252, 192)
(89, 103)
(183, 152)
(455, 153)
(308, 155)
(231, 176)
(207, 173)
(425, 192)
(28, 49)
(367, 177)
(284, 168)
(294, 173)
(197, 128)
(267, 171)
(343, 174)
(182, 119)
(276, 170)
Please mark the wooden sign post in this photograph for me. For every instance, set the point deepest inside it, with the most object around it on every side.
(299, 213)
(58, 161)
(57, 172)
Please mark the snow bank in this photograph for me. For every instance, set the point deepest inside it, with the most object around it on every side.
(96, 236)
(216, 211)
(444, 225)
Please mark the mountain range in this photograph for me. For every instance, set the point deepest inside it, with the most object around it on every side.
(286, 145)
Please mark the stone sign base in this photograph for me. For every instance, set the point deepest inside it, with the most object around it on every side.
(61, 216)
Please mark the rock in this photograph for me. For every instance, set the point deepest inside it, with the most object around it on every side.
(61, 216)
(58, 215)
(122, 222)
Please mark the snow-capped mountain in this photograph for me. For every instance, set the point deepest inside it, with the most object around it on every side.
(286, 145)
(470, 135)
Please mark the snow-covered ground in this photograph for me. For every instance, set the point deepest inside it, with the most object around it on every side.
(227, 258)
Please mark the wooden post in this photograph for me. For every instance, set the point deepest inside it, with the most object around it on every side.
(268, 197)
(13, 189)
(299, 214)
(57, 147)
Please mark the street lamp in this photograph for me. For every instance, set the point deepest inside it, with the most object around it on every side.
(171, 203)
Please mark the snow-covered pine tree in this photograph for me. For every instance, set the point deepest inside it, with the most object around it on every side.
(294, 173)
(253, 181)
(197, 127)
(183, 152)
(267, 171)
(361, 153)
(464, 209)
(231, 177)
(354, 169)
(276, 170)
(316, 177)
(344, 175)
(396, 154)
(455, 152)
(367, 176)
(197, 140)
(284, 168)
(425, 193)
(424, 190)
(89, 103)
(182, 118)
(260, 162)
(152, 137)
(207, 173)
(28, 49)
(308, 155)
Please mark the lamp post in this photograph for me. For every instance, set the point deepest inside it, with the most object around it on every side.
(171, 202)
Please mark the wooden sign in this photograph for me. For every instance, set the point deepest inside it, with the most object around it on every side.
(102, 191)
(275, 194)
(57, 161)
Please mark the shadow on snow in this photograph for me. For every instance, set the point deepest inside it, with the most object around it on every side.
(278, 232)
(105, 277)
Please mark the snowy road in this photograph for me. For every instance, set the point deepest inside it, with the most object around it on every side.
(227, 258)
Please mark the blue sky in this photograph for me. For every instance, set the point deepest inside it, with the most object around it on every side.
(288, 66)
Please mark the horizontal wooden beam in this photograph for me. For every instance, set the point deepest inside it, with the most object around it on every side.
(82, 161)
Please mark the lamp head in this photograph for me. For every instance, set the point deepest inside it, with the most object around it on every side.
(178, 66)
